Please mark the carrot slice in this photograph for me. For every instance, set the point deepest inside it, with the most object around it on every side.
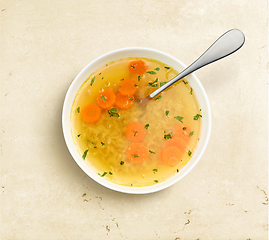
(137, 152)
(170, 156)
(135, 132)
(91, 113)
(127, 87)
(177, 142)
(137, 67)
(106, 98)
(124, 101)
(183, 131)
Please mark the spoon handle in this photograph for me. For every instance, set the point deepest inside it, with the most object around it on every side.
(225, 45)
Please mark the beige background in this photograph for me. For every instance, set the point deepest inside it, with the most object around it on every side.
(45, 195)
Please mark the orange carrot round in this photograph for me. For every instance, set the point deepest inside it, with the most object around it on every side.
(106, 98)
(177, 142)
(135, 132)
(170, 156)
(127, 87)
(137, 152)
(137, 67)
(183, 131)
(124, 101)
(91, 113)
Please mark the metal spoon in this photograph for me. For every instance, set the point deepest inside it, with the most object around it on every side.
(225, 45)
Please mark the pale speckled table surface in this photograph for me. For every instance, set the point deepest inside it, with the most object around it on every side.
(45, 195)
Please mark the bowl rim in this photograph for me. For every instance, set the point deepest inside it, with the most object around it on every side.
(136, 52)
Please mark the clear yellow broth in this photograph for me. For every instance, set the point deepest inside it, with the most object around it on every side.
(103, 144)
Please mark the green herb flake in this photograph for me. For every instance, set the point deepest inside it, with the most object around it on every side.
(162, 83)
(135, 155)
(131, 99)
(110, 173)
(147, 126)
(105, 173)
(178, 118)
(85, 154)
(184, 128)
(151, 72)
(185, 82)
(157, 69)
(79, 135)
(153, 84)
(158, 98)
(191, 90)
(122, 79)
(167, 67)
(78, 109)
(113, 112)
(132, 66)
(92, 81)
(168, 135)
(189, 152)
(156, 181)
(103, 97)
(151, 152)
(177, 170)
(166, 113)
(121, 163)
(135, 133)
(102, 143)
(191, 133)
(135, 85)
(196, 117)
(155, 170)
(139, 78)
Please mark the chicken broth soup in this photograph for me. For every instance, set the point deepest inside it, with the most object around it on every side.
(125, 141)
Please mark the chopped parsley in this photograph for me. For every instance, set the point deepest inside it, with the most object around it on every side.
(162, 83)
(167, 67)
(139, 78)
(102, 143)
(189, 152)
(105, 173)
(158, 98)
(156, 181)
(92, 81)
(113, 112)
(184, 128)
(196, 117)
(178, 118)
(78, 109)
(155, 170)
(151, 152)
(185, 82)
(135, 85)
(166, 113)
(177, 170)
(191, 133)
(121, 163)
(153, 84)
(103, 97)
(191, 90)
(79, 135)
(157, 69)
(85, 154)
(135, 155)
(135, 133)
(151, 72)
(168, 135)
(132, 66)
(110, 173)
(147, 126)
(131, 99)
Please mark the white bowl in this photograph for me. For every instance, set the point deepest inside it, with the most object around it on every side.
(167, 60)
